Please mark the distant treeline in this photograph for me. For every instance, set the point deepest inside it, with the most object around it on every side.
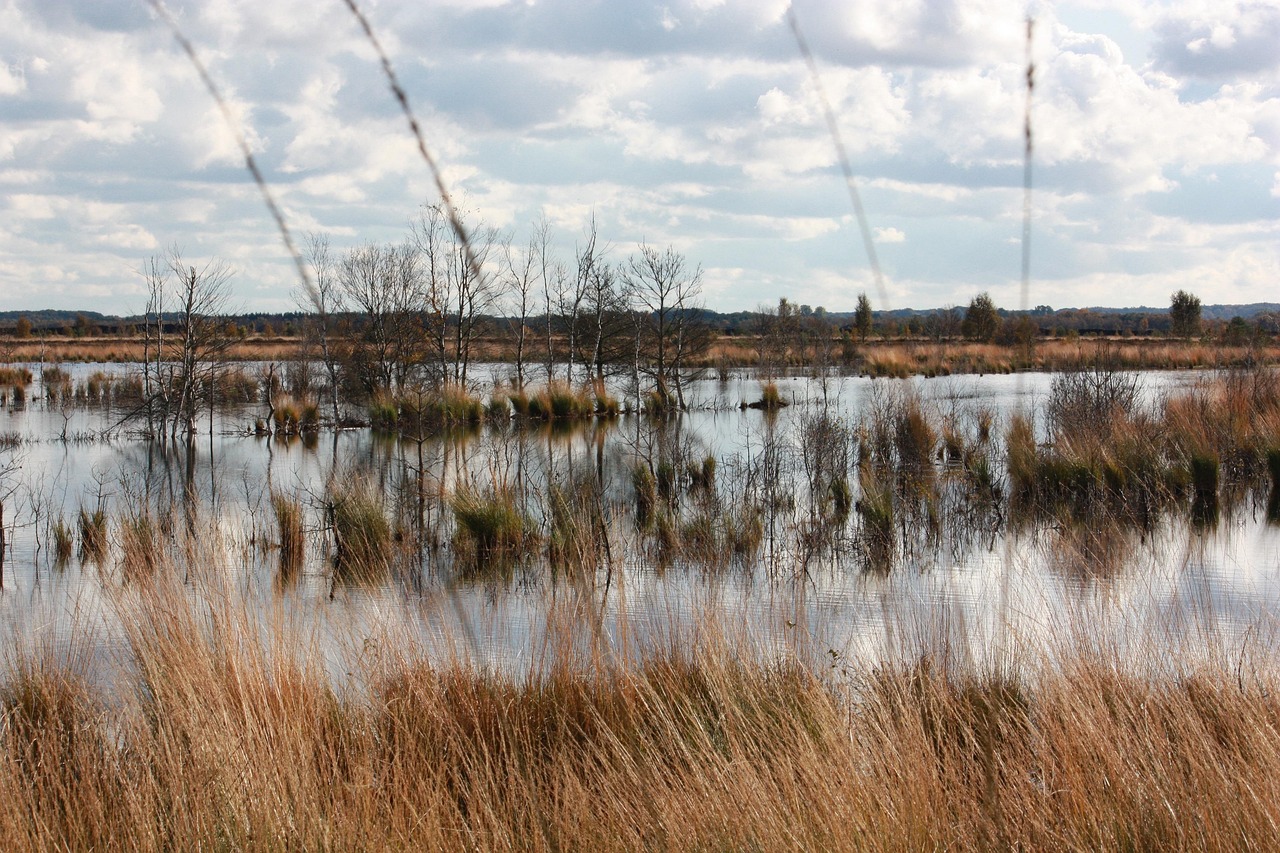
(938, 323)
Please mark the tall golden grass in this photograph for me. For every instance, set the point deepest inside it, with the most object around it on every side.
(225, 730)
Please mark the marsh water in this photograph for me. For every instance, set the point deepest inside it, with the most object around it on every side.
(1163, 591)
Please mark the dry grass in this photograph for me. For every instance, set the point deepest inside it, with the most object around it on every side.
(901, 358)
(130, 348)
(877, 357)
(289, 515)
(226, 732)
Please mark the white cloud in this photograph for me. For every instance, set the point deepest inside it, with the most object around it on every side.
(685, 121)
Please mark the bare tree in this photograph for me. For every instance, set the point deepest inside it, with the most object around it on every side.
(154, 387)
(361, 276)
(385, 283)
(325, 300)
(554, 284)
(432, 234)
(475, 291)
(460, 292)
(571, 301)
(201, 294)
(665, 290)
(406, 283)
(179, 375)
(606, 305)
(520, 274)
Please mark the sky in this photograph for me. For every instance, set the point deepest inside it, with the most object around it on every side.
(689, 123)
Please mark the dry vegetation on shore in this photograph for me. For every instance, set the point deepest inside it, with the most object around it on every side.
(877, 357)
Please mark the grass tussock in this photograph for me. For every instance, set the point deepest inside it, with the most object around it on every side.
(15, 377)
(1108, 452)
(493, 531)
(293, 416)
(770, 398)
(362, 535)
(421, 411)
(57, 384)
(578, 540)
(558, 402)
(93, 534)
(64, 540)
(292, 545)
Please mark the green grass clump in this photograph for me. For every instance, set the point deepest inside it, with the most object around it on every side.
(93, 534)
(607, 406)
(702, 476)
(384, 413)
(63, 540)
(645, 486)
(575, 522)
(292, 540)
(55, 375)
(558, 401)
(361, 532)
(564, 403)
(498, 408)
(915, 439)
(876, 509)
(98, 385)
(743, 530)
(57, 383)
(420, 411)
(309, 417)
(841, 497)
(1203, 469)
(287, 414)
(491, 525)
(667, 481)
(659, 402)
(1022, 458)
(457, 406)
(520, 404)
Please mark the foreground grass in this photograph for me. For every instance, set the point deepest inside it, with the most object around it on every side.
(227, 734)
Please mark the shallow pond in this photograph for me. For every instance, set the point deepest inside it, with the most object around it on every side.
(976, 591)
